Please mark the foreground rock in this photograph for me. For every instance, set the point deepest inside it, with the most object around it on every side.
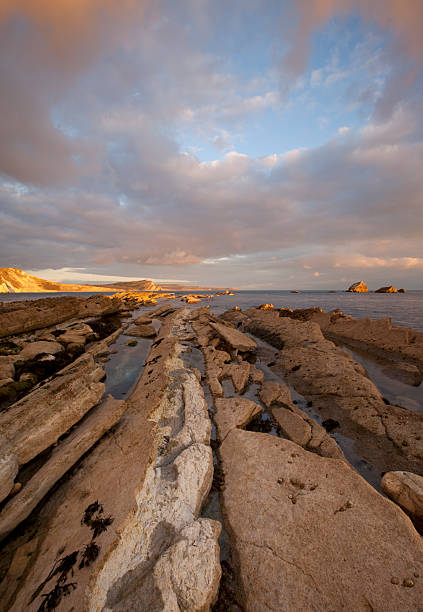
(359, 287)
(36, 421)
(136, 496)
(234, 412)
(8, 468)
(406, 489)
(325, 540)
(64, 456)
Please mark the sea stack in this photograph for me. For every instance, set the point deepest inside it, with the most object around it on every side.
(359, 287)
(389, 289)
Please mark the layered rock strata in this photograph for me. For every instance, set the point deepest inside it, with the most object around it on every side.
(18, 318)
(135, 501)
(390, 437)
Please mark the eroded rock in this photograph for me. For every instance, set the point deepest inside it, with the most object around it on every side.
(406, 489)
(326, 540)
(234, 412)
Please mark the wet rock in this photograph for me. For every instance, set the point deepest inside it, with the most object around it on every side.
(8, 468)
(404, 372)
(37, 420)
(234, 412)
(33, 349)
(402, 291)
(100, 420)
(141, 331)
(326, 540)
(359, 287)
(266, 307)
(236, 339)
(406, 489)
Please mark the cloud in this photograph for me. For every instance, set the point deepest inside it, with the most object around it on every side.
(403, 19)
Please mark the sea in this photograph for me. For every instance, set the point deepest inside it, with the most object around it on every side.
(404, 309)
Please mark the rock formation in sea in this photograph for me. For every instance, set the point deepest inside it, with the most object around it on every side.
(136, 502)
(359, 287)
(388, 289)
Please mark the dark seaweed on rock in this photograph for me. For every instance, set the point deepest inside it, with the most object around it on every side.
(54, 597)
(89, 554)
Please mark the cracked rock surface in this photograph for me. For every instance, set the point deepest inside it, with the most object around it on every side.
(311, 534)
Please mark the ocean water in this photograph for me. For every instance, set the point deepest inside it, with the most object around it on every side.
(403, 309)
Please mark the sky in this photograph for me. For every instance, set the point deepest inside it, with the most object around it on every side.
(258, 144)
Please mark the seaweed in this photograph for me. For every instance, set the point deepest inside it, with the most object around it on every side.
(53, 598)
(89, 554)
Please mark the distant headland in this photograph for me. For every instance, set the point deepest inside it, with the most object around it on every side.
(14, 280)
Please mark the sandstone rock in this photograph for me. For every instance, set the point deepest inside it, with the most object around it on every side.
(141, 331)
(404, 372)
(266, 307)
(8, 468)
(239, 373)
(7, 367)
(389, 289)
(234, 412)
(326, 540)
(79, 333)
(359, 287)
(142, 320)
(37, 314)
(256, 375)
(293, 426)
(406, 489)
(41, 417)
(236, 339)
(274, 393)
(100, 420)
(33, 349)
(5, 381)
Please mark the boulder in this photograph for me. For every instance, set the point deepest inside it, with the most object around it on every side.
(359, 287)
(406, 489)
(325, 539)
(266, 307)
(33, 349)
(389, 289)
(402, 291)
(234, 412)
(236, 339)
(141, 331)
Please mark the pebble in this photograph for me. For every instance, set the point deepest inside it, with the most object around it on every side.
(407, 582)
(395, 580)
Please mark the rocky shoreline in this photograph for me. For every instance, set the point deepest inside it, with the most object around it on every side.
(230, 477)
